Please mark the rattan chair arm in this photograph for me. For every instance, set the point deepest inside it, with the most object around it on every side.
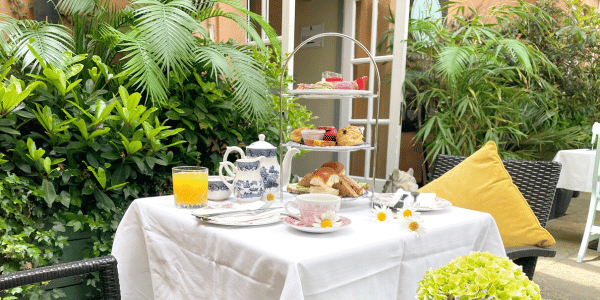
(529, 251)
(106, 265)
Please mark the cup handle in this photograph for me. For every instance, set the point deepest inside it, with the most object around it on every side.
(224, 164)
(294, 204)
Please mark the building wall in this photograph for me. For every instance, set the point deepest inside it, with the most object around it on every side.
(309, 63)
(5, 8)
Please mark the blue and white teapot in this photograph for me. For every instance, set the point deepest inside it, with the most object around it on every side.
(270, 171)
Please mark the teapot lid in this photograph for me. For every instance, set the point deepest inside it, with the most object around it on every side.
(261, 144)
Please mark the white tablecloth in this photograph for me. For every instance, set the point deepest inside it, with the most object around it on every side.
(165, 253)
(577, 169)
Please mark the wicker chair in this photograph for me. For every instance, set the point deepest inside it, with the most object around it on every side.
(536, 180)
(106, 265)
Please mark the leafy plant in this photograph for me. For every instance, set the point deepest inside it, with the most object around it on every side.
(568, 37)
(148, 40)
(203, 106)
(476, 85)
(26, 241)
(478, 276)
(85, 153)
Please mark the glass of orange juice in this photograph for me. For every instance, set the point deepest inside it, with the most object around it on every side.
(190, 186)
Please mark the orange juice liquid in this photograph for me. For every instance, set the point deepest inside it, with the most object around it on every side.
(190, 188)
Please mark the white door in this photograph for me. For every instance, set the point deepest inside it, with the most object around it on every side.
(365, 112)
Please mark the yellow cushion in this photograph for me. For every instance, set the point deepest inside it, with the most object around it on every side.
(482, 183)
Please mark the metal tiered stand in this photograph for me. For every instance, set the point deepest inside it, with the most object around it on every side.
(329, 94)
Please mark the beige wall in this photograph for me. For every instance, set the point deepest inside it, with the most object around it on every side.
(5, 8)
(309, 63)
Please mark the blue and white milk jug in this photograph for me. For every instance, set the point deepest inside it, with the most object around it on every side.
(247, 184)
(270, 171)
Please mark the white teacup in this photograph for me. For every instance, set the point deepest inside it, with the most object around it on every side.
(217, 190)
(314, 205)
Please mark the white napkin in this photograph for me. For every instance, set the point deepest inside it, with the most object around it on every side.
(425, 200)
(246, 217)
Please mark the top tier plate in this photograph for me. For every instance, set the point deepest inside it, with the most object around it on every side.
(364, 146)
(329, 94)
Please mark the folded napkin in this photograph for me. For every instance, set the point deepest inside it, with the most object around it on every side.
(243, 217)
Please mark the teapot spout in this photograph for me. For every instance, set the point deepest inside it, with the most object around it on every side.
(286, 166)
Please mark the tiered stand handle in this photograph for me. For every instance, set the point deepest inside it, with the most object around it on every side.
(284, 68)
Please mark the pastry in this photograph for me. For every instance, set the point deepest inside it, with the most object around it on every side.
(296, 134)
(337, 167)
(309, 142)
(349, 136)
(345, 85)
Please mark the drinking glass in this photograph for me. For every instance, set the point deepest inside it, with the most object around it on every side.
(190, 186)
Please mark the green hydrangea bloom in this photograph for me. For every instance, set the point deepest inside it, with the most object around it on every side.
(478, 276)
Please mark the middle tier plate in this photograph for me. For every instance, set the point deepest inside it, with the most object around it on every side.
(365, 146)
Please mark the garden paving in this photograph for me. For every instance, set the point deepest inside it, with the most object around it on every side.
(561, 277)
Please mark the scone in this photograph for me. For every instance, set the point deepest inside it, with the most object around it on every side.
(296, 134)
(349, 136)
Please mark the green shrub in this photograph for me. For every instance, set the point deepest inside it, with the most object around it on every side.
(477, 83)
(25, 242)
(569, 38)
(87, 154)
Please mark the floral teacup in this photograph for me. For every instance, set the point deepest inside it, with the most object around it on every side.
(314, 205)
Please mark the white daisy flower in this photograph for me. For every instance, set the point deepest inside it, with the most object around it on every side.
(413, 224)
(381, 213)
(407, 211)
(328, 219)
(270, 195)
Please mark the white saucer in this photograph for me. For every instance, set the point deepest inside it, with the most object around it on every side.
(293, 223)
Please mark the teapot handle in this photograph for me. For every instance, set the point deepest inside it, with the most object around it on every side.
(230, 171)
(226, 164)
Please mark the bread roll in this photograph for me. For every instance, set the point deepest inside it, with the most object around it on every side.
(337, 167)
(324, 177)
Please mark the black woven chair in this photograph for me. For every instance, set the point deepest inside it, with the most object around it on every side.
(536, 180)
(106, 265)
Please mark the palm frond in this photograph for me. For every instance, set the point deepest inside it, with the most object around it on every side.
(242, 72)
(520, 52)
(143, 67)
(75, 7)
(51, 41)
(453, 59)
(167, 28)
(8, 26)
